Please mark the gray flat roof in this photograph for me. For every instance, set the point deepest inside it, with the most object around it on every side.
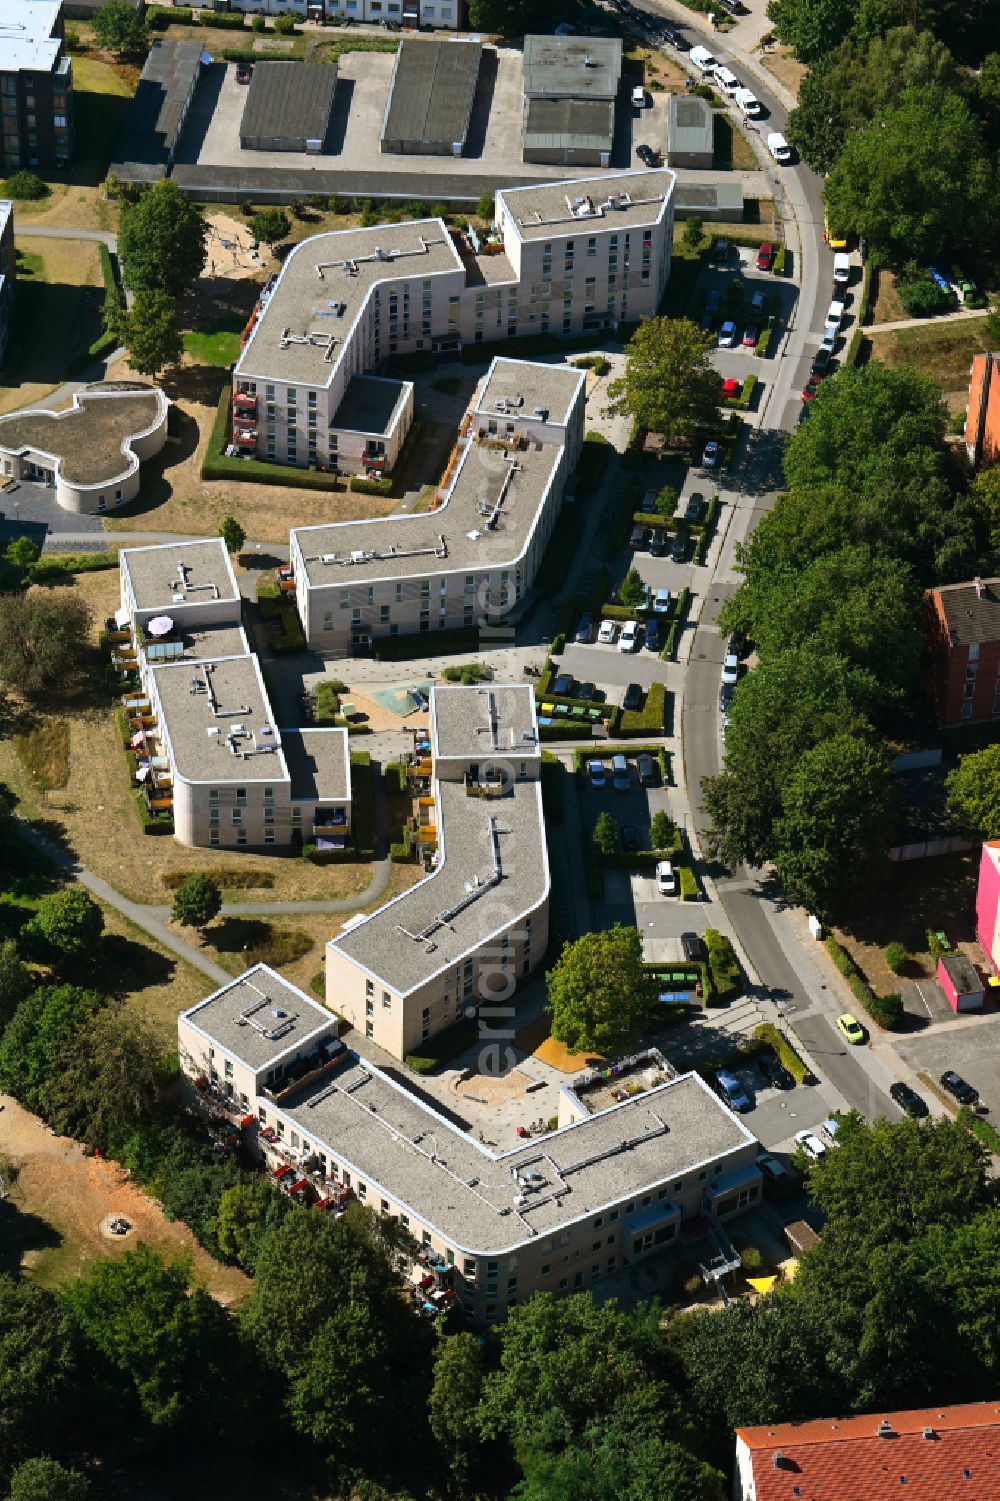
(690, 124)
(200, 737)
(154, 117)
(971, 614)
(330, 272)
(572, 67)
(405, 942)
(493, 719)
(726, 196)
(431, 93)
(455, 537)
(88, 438)
(205, 644)
(318, 762)
(26, 40)
(627, 199)
(289, 99)
(370, 404)
(386, 1137)
(555, 124)
(223, 1017)
(155, 573)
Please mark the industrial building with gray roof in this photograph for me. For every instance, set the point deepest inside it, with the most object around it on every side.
(288, 106)
(430, 99)
(690, 131)
(157, 113)
(572, 67)
(570, 86)
(570, 132)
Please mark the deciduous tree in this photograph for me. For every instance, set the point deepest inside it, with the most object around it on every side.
(607, 834)
(161, 241)
(197, 901)
(669, 385)
(15, 980)
(453, 1402)
(48, 1480)
(232, 534)
(974, 793)
(66, 930)
(119, 28)
(38, 1372)
(148, 330)
(269, 225)
(33, 1040)
(44, 640)
(108, 1081)
(597, 993)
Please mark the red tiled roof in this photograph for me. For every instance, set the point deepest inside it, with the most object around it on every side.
(932, 1454)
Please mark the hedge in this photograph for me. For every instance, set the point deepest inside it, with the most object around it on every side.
(593, 462)
(724, 964)
(49, 567)
(746, 395)
(708, 531)
(649, 720)
(854, 347)
(224, 20)
(779, 261)
(442, 1048)
(553, 798)
(565, 729)
(216, 465)
(403, 852)
(669, 651)
(559, 644)
(690, 890)
(885, 1010)
(396, 780)
(362, 486)
(982, 1129)
(363, 804)
(768, 1033)
(159, 17)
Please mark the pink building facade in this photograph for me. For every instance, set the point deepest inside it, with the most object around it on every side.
(988, 903)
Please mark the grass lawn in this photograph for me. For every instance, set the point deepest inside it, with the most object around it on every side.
(218, 346)
(57, 315)
(730, 146)
(941, 350)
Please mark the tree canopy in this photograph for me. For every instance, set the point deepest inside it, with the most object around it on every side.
(974, 793)
(149, 330)
(119, 27)
(669, 385)
(108, 1079)
(66, 930)
(506, 17)
(44, 640)
(47, 1480)
(197, 901)
(32, 1043)
(269, 225)
(232, 533)
(597, 992)
(161, 242)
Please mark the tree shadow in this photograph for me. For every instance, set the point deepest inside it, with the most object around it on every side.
(21, 1233)
(127, 965)
(231, 935)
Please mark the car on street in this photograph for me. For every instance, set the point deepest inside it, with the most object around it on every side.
(646, 768)
(711, 455)
(596, 773)
(959, 1088)
(621, 777)
(842, 267)
(731, 389)
(638, 97)
(778, 147)
(585, 630)
(629, 638)
(631, 838)
(692, 947)
(907, 1099)
(713, 301)
(695, 508)
(703, 60)
(726, 701)
(749, 338)
(820, 364)
(243, 72)
(727, 335)
(730, 669)
(606, 635)
(732, 1091)
(774, 1070)
(811, 1144)
(830, 335)
(657, 543)
(563, 686)
(727, 80)
(748, 104)
(661, 602)
(810, 390)
(679, 548)
(851, 1028)
(736, 645)
(638, 537)
(666, 878)
(634, 698)
(765, 256)
(652, 634)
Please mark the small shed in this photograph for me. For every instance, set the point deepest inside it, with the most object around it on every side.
(690, 131)
(961, 982)
(288, 106)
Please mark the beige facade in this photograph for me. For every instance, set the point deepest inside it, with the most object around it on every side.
(456, 945)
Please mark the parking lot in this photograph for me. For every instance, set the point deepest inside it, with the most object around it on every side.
(971, 1048)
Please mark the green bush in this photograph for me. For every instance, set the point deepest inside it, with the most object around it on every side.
(403, 851)
(25, 187)
(768, 1033)
(593, 462)
(159, 17)
(650, 719)
(224, 20)
(896, 957)
(779, 261)
(690, 891)
(362, 804)
(396, 780)
(885, 1010)
(750, 1259)
(933, 944)
(358, 483)
(565, 729)
(723, 963)
(553, 798)
(669, 651)
(559, 644)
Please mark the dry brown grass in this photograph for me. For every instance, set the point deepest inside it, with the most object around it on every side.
(941, 350)
(44, 753)
(59, 316)
(785, 68)
(887, 304)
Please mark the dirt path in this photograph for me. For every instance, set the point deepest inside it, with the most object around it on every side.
(64, 1197)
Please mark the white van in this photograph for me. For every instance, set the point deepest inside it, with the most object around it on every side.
(747, 103)
(835, 312)
(779, 149)
(703, 59)
(842, 267)
(727, 81)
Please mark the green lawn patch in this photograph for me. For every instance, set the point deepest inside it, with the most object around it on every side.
(217, 346)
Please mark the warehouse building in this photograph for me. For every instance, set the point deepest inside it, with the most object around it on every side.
(690, 131)
(570, 87)
(156, 116)
(572, 67)
(431, 94)
(288, 106)
(568, 132)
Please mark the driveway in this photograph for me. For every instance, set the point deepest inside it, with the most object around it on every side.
(970, 1047)
(28, 510)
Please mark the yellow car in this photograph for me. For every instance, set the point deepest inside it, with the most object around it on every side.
(850, 1027)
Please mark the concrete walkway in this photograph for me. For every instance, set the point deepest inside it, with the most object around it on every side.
(28, 231)
(956, 317)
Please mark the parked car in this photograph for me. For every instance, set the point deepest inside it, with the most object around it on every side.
(629, 638)
(842, 267)
(646, 155)
(779, 1178)
(749, 105)
(957, 1086)
(646, 768)
(703, 60)
(765, 259)
(835, 312)
(713, 301)
(587, 691)
(563, 686)
(666, 879)
(731, 389)
(720, 250)
(736, 645)
(727, 80)
(679, 548)
(774, 1070)
(830, 335)
(907, 1099)
(585, 630)
(811, 1145)
(696, 507)
(820, 364)
(661, 602)
(727, 335)
(631, 838)
(634, 698)
(621, 777)
(726, 701)
(730, 669)
(732, 1091)
(779, 147)
(638, 97)
(692, 947)
(851, 1028)
(606, 635)
(657, 543)
(811, 389)
(750, 337)
(637, 537)
(711, 455)
(596, 773)
(652, 632)
(244, 72)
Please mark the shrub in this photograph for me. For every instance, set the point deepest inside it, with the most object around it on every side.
(649, 720)
(885, 1010)
(661, 831)
(395, 779)
(362, 486)
(750, 1259)
(689, 884)
(441, 1049)
(25, 187)
(933, 944)
(258, 24)
(559, 644)
(769, 1034)
(225, 20)
(896, 957)
(285, 25)
(723, 963)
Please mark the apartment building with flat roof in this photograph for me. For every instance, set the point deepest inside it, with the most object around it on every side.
(576, 257)
(478, 922)
(36, 87)
(208, 746)
(475, 554)
(558, 1213)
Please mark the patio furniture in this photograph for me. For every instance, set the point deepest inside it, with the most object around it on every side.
(547, 708)
(562, 711)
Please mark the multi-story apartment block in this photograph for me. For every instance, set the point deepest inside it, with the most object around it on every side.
(572, 258)
(962, 624)
(36, 86)
(201, 719)
(470, 930)
(982, 411)
(558, 1213)
(475, 554)
(427, 14)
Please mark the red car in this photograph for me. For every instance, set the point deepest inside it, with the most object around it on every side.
(765, 257)
(810, 389)
(731, 389)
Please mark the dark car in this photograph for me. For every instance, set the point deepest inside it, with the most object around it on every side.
(957, 1086)
(646, 767)
(652, 634)
(774, 1071)
(679, 549)
(646, 155)
(907, 1099)
(692, 947)
(633, 698)
(736, 645)
(243, 72)
(695, 508)
(726, 697)
(820, 364)
(587, 691)
(631, 838)
(585, 630)
(563, 686)
(637, 537)
(657, 543)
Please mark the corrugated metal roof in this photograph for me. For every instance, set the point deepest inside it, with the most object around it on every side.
(289, 101)
(689, 124)
(433, 86)
(569, 123)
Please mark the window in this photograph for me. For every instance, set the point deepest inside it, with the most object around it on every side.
(241, 836)
(468, 1267)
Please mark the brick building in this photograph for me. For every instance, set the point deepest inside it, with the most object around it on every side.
(982, 414)
(963, 643)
